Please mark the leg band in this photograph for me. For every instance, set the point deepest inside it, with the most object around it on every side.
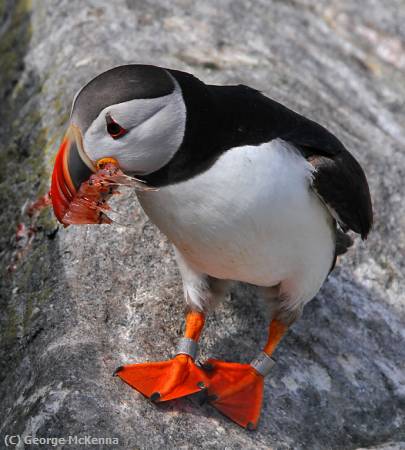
(263, 363)
(187, 346)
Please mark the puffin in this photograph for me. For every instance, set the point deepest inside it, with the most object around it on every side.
(244, 188)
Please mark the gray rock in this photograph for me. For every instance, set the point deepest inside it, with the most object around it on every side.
(81, 304)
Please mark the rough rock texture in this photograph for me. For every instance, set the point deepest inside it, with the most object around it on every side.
(81, 304)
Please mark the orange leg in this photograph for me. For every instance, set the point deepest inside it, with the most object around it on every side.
(276, 332)
(177, 377)
(236, 389)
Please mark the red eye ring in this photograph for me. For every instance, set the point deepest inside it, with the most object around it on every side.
(114, 129)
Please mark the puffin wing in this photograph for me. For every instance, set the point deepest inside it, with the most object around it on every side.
(338, 178)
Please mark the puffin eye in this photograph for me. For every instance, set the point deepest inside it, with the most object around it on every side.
(114, 129)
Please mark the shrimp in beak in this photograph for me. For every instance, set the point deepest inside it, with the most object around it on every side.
(80, 188)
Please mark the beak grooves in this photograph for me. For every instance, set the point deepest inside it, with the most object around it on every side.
(62, 189)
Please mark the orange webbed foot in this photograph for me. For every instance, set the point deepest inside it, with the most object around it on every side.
(165, 380)
(236, 390)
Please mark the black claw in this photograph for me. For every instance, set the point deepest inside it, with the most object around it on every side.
(202, 397)
(118, 369)
(207, 367)
(250, 426)
(155, 397)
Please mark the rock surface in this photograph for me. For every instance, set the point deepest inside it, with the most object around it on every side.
(82, 303)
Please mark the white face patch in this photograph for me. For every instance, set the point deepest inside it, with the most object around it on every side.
(155, 130)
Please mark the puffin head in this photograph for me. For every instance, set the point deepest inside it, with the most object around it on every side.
(133, 114)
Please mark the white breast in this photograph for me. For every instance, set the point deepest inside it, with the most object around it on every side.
(251, 217)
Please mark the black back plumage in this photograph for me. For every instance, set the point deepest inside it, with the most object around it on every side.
(224, 117)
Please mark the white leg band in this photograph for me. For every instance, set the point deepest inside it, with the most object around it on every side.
(263, 363)
(187, 346)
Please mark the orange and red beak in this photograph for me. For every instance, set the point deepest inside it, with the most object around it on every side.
(69, 172)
